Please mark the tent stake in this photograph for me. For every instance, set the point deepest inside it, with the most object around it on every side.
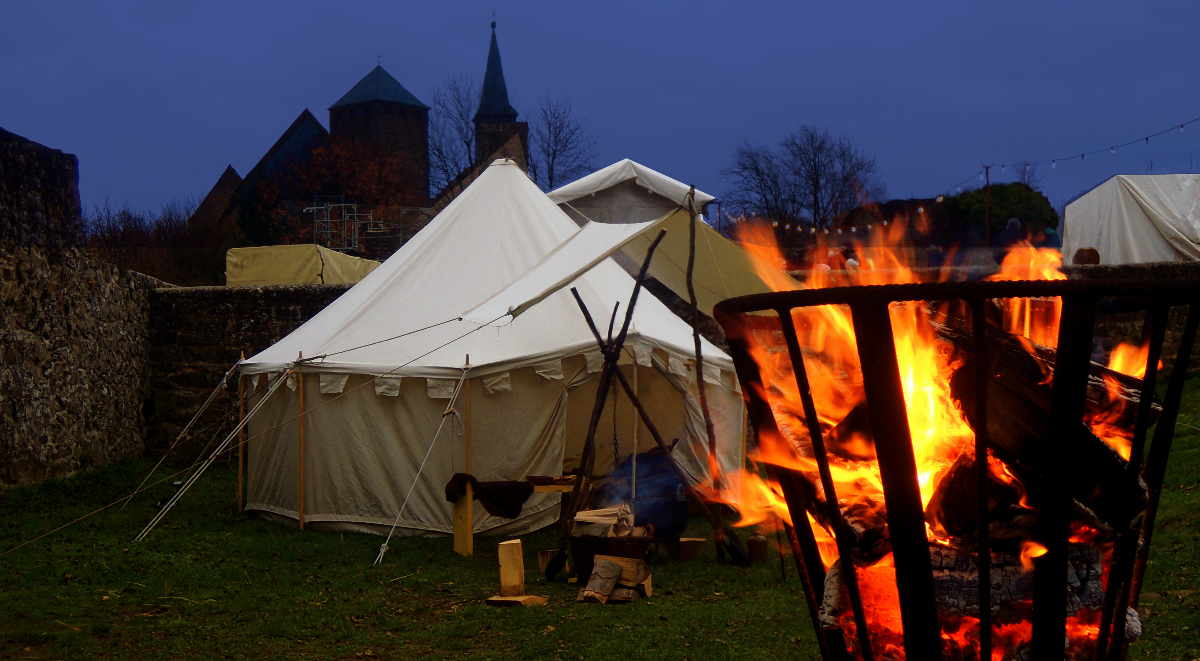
(300, 449)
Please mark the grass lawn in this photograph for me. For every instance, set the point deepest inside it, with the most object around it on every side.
(210, 583)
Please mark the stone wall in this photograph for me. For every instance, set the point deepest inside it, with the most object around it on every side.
(39, 195)
(197, 333)
(73, 329)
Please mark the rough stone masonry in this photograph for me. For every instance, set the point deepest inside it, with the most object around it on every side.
(73, 330)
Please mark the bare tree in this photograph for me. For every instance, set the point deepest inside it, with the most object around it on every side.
(810, 177)
(762, 186)
(452, 130)
(561, 149)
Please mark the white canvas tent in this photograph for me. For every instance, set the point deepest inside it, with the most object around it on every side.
(372, 411)
(630, 193)
(1132, 219)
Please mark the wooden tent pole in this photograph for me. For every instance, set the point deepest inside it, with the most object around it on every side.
(464, 508)
(241, 439)
(636, 423)
(300, 448)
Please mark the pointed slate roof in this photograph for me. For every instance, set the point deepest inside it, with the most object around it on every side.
(493, 103)
(378, 85)
(213, 206)
(297, 142)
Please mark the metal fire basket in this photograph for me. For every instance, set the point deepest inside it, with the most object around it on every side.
(869, 307)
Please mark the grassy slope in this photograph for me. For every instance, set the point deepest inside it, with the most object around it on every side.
(211, 584)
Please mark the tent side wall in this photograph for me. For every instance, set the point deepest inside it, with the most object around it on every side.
(363, 448)
(1131, 219)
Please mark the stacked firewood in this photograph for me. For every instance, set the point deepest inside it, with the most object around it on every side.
(614, 578)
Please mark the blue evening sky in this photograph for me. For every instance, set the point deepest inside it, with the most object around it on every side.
(156, 97)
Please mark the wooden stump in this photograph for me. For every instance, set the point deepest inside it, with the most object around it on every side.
(512, 568)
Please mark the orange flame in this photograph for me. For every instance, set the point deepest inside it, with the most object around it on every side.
(1034, 319)
(940, 432)
(1111, 422)
(1030, 550)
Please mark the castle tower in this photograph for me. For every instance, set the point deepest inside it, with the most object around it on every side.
(378, 113)
(496, 120)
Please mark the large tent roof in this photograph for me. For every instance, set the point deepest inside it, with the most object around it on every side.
(498, 229)
(1133, 219)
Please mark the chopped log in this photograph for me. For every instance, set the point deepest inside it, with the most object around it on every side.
(1020, 431)
(633, 570)
(517, 600)
(646, 587)
(605, 574)
(689, 548)
(512, 568)
(954, 507)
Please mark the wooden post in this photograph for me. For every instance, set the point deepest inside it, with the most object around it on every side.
(300, 449)
(464, 508)
(512, 568)
(636, 423)
(241, 438)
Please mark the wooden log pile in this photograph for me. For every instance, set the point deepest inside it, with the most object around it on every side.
(616, 577)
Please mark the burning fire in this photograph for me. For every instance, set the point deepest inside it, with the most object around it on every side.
(939, 428)
(1106, 423)
(1035, 320)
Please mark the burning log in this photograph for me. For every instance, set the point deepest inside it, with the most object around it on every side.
(954, 506)
(1019, 432)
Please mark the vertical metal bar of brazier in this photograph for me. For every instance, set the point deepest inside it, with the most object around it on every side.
(982, 478)
(898, 470)
(1067, 405)
(1160, 449)
(804, 546)
(1112, 622)
(841, 532)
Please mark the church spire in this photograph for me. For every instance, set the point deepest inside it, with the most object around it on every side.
(493, 103)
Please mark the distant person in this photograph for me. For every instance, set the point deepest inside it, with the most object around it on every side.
(1013, 233)
(1086, 257)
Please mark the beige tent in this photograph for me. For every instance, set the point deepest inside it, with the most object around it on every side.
(630, 193)
(302, 264)
(1133, 219)
(386, 356)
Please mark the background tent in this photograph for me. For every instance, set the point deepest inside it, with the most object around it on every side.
(1133, 219)
(303, 264)
(373, 406)
(628, 192)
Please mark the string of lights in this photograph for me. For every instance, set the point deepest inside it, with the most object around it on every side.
(981, 175)
(1176, 128)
